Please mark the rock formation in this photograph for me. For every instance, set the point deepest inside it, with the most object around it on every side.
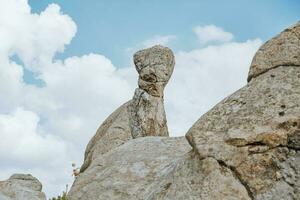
(255, 132)
(21, 187)
(282, 50)
(246, 147)
(144, 115)
(156, 168)
(147, 115)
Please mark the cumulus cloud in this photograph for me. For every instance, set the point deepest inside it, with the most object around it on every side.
(202, 77)
(164, 40)
(159, 40)
(39, 123)
(211, 33)
(20, 136)
(25, 148)
(29, 35)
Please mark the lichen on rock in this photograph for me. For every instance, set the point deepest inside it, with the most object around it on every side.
(144, 115)
(255, 131)
(282, 50)
(246, 147)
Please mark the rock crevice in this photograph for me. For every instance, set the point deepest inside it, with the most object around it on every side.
(142, 116)
(246, 147)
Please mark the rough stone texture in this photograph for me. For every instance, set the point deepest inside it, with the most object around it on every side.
(114, 131)
(255, 131)
(144, 115)
(155, 66)
(156, 168)
(147, 115)
(21, 187)
(282, 50)
(246, 147)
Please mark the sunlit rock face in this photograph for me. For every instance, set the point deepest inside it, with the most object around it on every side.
(156, 168)
(246, 147)
(155, 66)
(282, 50)
(255, 131)
(21, 187)
(144, 115)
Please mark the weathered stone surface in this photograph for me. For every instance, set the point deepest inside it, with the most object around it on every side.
(246, 147)
(282, 50)
(144, 115)
(114, 131)
(21, 187)
(254, 131)
(155, 66)
(147, 115)
(156, 168)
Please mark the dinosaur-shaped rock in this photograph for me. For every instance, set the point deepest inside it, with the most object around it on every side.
(144, 115)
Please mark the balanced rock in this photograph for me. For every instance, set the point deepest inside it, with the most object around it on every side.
(144, 115)
(155, 67)
(246, 147)
(150, 167)
(255, 132)
(21, 187)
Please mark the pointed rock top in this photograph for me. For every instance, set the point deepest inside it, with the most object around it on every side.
(282, 50)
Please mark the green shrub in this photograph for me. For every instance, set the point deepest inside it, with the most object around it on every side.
(60, 197)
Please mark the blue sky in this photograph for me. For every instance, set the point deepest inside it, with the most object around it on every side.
(66, 65)
(109, 27)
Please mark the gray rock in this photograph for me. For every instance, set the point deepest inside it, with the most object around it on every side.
(246, 147)
(155, 66)
(144, 115)
(282, 50)
(113, 132)
(156, 168)
(255, 131)
(147, 115)
(21, 187)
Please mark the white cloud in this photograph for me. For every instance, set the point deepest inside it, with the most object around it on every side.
(23, 148)
(39, 123)
(29, 35)
(20, 137)
(158, 40)
(203, 77)
(212, 33)
(164, 40)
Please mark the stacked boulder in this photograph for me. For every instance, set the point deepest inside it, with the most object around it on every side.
(246, 147)
(144, 115)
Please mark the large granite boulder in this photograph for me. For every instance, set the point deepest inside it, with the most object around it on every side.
(144, 115)
(255, 132)
(156, 168)
(246, 147)
(282, 50)
(21, 187)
